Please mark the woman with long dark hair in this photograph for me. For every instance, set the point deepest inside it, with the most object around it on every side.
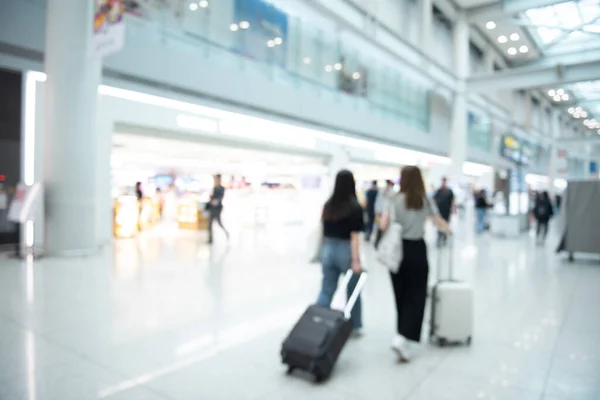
(411, 208)
(342, 223)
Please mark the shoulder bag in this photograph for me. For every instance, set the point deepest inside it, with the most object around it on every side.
(390, 252)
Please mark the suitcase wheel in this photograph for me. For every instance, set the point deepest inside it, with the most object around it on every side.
(290, 370)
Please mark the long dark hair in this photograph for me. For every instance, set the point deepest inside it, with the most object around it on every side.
(343, 198)
(413, 187)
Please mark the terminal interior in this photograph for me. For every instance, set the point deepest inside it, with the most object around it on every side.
(111, 142)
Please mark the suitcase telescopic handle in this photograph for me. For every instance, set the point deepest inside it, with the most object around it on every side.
(450, 260)
(356, 292)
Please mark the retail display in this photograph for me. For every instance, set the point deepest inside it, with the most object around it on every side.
(191, 213)
(126, 214)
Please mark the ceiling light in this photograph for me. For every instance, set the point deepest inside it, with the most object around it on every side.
(556, 98)
(565, 97)
(502, 39)
(560, 92)
(203, 3)
(512, 51)
(524, 49)
(337, 66)
(278, 40)
(490, 25)
(514, 37)
(193, 6)
(551, 92)
(270, 43)
(579, 109)
(306, 60)
(356, 75)
(587, 121)
(244, 24)
(571, 110)
(328, 68)
(234, 27)
(584, 114)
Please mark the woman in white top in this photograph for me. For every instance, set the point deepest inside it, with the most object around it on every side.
(411, 210)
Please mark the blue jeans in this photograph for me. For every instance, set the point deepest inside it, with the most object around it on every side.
(480, 224)
(336, 259)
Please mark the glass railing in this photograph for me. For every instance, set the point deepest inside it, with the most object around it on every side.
(254, 36)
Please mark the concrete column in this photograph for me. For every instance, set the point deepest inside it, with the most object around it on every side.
(426, 24)
(553, 164)
(459, 126)
(70, 152)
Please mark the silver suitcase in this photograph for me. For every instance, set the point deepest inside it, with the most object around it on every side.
(451, 307)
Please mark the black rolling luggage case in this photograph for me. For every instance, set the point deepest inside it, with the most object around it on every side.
(318, 338)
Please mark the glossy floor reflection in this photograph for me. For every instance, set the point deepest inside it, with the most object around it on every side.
(167, 317)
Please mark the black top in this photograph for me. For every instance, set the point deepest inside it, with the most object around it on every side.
(444, 198)
(341, 228)
(543, 210)
(217, 194)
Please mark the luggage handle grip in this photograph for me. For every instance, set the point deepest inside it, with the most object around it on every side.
(356, 292)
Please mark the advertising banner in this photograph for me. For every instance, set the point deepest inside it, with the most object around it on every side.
(109, 28)
(261, 30)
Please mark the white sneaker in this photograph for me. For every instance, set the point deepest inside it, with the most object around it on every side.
(401, 346)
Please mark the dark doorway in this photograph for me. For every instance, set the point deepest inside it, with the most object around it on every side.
(10, 149)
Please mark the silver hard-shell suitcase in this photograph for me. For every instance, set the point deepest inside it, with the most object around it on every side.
(451, 307)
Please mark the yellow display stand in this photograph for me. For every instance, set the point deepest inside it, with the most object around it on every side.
(190, 216)
(126, 212)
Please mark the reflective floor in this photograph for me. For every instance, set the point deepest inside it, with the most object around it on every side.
(167, 317)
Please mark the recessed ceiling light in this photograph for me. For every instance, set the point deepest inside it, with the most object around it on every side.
(338, 66)
(584, 114)
(514, 37)
(306, 60)
(203, 3)
(579, 109)
(524, 49)
(560, 92)
(244, 24)
(278, 40)
(585, 122)
(193, 6)
(551, 92)
(571, 110)
(502, 39)
(565, 97)
(356, 75)
(490, 25)
(556, 98)
(270, 43)
(234, 27)
(512, 51)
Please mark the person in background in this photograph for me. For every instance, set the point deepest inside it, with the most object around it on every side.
(371, 196)
(138, 191)
(215, 207)
(411, 210)
(382, 204)
(543, 211)
(161, 201)
(481, 206)
(343, 221)
(444, 200)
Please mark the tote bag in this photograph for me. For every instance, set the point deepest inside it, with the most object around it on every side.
(389, 252)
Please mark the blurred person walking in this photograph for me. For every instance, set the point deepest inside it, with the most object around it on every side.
(343, 221)
(215, 207)
(381, 204)
(543, 211)
(411, 208)
(371, 195)
(481, 207)
(444, 200)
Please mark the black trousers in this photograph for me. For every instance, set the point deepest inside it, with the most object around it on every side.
(410, 289)
(542, 229)
(215, 215)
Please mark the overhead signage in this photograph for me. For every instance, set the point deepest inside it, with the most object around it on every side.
(108, 36)
(515, 150)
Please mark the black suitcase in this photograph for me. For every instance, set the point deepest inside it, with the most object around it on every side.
(317, 339)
